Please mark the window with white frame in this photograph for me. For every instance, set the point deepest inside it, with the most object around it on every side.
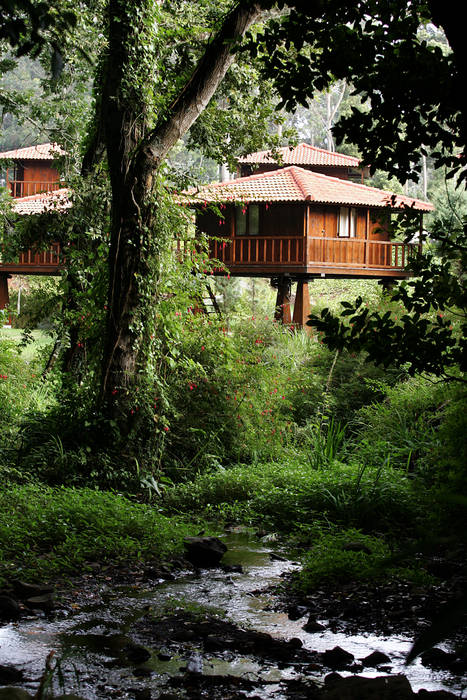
(347, 222)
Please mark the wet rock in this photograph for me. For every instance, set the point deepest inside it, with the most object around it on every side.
(10, 674)
(375, 659)
(204, 552)
(233, 568)
(295, 612)
(142, 694)
(312, 625)
(435, 694)
(14, 694)
(276, 557)
(9, 608)
(164, 655)
(143, 672)
(359, 688)
(213, 643)
(28, 590)
(356, 547)
(295, 643)
(186, 635)
(437, 658)
(137, 654)
(337, 658)
(70, 696)
(40, 602)
(331, 679)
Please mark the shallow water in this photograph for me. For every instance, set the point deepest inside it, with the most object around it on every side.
(90, 644)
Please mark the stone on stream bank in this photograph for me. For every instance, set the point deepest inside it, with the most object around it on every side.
(204, 552)
(381, 688)
(9, 608)
(19, 593)
(11, 693)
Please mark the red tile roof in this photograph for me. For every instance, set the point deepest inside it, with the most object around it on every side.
(58, 200)
(44, 151)
(294, 184)
(303, 154)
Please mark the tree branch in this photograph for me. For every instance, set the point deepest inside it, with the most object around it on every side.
(205, 80)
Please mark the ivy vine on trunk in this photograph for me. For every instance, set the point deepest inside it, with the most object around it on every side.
(136, 146)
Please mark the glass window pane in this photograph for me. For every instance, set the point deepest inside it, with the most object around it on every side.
(240, 221)
(253, 220)
(343, 229)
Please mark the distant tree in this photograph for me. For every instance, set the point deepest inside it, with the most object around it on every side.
(411, 86)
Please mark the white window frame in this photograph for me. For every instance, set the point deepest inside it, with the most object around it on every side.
(347, 222)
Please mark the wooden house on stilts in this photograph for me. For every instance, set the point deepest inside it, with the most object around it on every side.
(293, 225)
(33, 181)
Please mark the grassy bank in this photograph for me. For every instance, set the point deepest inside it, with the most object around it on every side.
(47, 533)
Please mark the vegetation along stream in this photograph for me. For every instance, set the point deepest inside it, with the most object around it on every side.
(207, 633)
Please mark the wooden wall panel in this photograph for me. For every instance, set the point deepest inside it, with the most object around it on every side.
(379, 226)
(40, 172)
(330, 222)
(361, 223)
(282, 219)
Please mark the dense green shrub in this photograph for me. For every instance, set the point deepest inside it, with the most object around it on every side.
(420, 427)
(285, 496)
(348, 555)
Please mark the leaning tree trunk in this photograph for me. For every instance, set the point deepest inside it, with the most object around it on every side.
(135, 152)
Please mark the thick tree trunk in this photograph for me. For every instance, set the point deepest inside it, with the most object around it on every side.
(134, 155)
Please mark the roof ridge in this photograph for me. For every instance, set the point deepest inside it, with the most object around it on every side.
(267, 154)
(296, 173)
(357, 185)
(43, 150)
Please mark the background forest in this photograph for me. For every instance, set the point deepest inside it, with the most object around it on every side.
(353, 433)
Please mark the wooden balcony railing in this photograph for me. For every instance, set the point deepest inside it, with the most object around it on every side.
(259, 250)
(33, 261)
(25, 188)
(332, 252)
(357, 252)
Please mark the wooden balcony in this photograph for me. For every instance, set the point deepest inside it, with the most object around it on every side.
(44, 262)
(357, 253)
(26, 188)
(260, 255)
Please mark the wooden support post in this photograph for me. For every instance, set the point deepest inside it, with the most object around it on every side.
(301, 309)
(4, 296)
(387, 283)
(282, 312)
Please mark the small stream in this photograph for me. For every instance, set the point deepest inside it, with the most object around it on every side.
(90, 644)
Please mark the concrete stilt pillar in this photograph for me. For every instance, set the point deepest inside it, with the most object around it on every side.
(301, 309)
(282, 312)
(4, 296)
